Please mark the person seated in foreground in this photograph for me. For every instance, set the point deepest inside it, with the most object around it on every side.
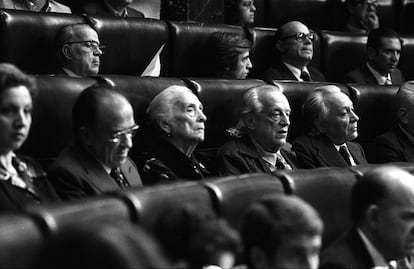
(23, 181)
(193, 238)
(259, 139)
(36, 5)
(282, 232)
(382, 207)
(294, 43)
(103, 125)
(383, 53)
(362, 17)
(228, 56)
(78, 50)
(178, 124)
(239, 12)
(117, 8)
(334, 125)
(397, 144)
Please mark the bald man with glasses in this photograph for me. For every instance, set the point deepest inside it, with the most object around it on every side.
(97, 162)
(78, 51)
(294, 44)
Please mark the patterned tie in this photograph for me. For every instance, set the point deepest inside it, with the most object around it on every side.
(343, 150)
(305, 76)
(119, 178)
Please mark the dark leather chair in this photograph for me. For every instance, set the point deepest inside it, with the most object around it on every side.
(406, 63)
(187, 47)
(131, 43)
(54, 217)
(233, 195)
(328, 190)
(360, 170)
(20, 241)
(148, 203)
(341, 53)
(51, 127)
(27, 39)
(264, 51)
(405, 13)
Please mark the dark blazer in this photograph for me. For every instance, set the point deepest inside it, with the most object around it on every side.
(348, 252)
(77, 174)
(14, 198)
(319, 151)
(363, 75)
(240, 156)
(392, 146)
(280, 71)
(99, 8)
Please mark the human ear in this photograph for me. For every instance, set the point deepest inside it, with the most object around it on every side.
(372, 216)
(402, 115)
(165, 126)
(250, 121)
(67, 52)
(371, 53)
(85, 135)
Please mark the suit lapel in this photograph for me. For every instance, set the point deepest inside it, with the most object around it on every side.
(406, 145)
(369, 77)
(328, 153)
(131, 174)
(356, 153)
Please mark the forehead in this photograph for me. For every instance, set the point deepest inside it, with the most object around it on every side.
(295, 27)
(115, 114)
(338, 100)
(20, 93)
(244, 53)
(84, 33)
(275, 99)
(186, 97)
(390, 43)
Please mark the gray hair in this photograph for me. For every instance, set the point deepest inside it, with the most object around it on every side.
(252, 103)
(315, 106)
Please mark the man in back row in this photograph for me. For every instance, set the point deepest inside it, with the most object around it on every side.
(117, 8)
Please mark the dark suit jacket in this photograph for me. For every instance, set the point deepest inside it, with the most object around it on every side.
(348, 252)
(77, 174)
(363, 75)
(392, 146)
(280, 72)
(319, 151)
(240, 156)
(99, 8)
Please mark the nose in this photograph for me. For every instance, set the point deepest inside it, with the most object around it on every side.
(395, 56)
(201, 116)
(354, 116)
(285, 119)
(253, 8)
(249, 63)
(126, 140)
(22, 119)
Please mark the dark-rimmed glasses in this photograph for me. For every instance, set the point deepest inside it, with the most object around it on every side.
(301, 37)
(366, 3)
(90, 44)
(130, 133)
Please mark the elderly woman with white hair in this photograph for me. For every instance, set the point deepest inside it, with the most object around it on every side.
(334, 124)
(177, 115)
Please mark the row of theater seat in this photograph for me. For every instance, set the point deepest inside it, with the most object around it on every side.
(327, 189)
(51, 126)
(26, 39)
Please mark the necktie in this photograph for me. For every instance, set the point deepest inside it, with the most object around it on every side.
(119, 178)
(343, 150)
(388, 81)
(305, 76)
(281, 163)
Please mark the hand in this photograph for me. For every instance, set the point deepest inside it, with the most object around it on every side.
(371, 22)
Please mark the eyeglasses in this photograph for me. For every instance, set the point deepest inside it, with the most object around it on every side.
(90, 44)
(373, 4)
(130, 133)
(301, 37)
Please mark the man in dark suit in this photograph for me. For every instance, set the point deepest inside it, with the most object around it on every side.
(383, 53)
(36, 5)
(333, 125)
(397, 144)
(259, 143)
(294, 43)
(382, 207)
(78, 50)
(97, 162)
(117, 8)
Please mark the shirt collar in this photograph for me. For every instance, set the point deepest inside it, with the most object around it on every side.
(124, 13)
(376, 256)
(296, 71)
(269, 157)
(380, 78)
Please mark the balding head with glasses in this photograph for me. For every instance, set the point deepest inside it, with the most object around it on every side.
(78, 50)
(294, 45)
(103, 126)
(362, 16)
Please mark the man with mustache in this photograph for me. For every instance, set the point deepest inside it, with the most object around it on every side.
(259, 139)
(78, 50)
(294, 43)
(383, 53)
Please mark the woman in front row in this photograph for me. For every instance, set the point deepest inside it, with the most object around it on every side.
(22, 181)
(178, 121)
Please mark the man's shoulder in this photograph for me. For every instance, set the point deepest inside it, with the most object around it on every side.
(71, 159)
(132, 12)
(316, 75)
(277, 71)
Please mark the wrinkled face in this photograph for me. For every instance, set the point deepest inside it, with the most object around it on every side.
(243, 65)
(363, 10)
(385, 58)
(300, 252)
(15, 118)
(271, 125)
(341, 123)
(114, 118)
(246, 10)
(296, 49)
(84, 52)
(188, 122)
(395, 226)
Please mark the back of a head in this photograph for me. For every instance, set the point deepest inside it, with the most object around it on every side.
(11, 76)
(272, 221)
(405, 95)
(375, 37)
